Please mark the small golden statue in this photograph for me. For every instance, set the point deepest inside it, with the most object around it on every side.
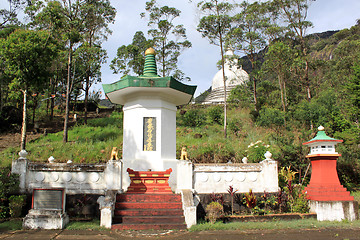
(184, 154)
(114, 154)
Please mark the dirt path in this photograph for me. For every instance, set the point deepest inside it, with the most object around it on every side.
(293, 234)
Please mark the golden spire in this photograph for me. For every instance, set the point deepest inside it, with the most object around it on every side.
(150, 51)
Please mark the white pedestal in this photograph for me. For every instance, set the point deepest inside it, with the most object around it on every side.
(335, 210)
(45, 219)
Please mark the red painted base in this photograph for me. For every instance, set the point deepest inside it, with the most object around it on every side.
(149, 181)
(324, 183)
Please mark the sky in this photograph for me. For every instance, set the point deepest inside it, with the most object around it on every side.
(199, 62)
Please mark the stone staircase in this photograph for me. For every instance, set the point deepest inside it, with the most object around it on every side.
(148, 211)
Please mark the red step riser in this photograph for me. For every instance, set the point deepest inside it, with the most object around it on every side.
(147, 226)
(139, 205)
(148, 212)
(148, 198)
(152, 220)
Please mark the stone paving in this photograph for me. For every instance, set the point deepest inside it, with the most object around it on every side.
(316, 234)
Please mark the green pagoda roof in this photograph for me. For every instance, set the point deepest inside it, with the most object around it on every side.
(149, 82)
(322, 137)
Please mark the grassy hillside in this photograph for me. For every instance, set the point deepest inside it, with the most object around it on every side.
(199, 128)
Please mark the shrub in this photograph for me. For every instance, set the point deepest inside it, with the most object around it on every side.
(251, 200)
(214, 114)
(214, 211)
(193, 118)
(235, 125)
(9, 184)
(269, 117)
(255, 151)
(16, 203)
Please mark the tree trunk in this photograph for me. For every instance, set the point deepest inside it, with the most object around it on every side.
(255, 94)
(23, 128)
(282, 97)
(34, 112)
(68, 90)
(87, 86)
(224, 80)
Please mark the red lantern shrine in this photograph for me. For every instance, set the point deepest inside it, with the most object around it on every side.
(324, 183)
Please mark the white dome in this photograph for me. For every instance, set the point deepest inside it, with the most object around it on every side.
(234, 74)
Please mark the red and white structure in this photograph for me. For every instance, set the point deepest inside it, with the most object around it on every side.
(328, 198)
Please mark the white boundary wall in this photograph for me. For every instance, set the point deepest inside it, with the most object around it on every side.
(74, 178)
(216, 178)
(99, 178)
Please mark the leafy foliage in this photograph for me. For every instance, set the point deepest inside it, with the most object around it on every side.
(130, 58)
(214, 211)
(169, 39)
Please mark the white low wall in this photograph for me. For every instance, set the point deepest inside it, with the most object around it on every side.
(75, 178)
(216, 178)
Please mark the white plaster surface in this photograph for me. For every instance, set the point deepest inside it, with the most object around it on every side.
(133, 152)
(216, 178)
(335, 210)
(45, 219)
(75, 179)
(189, 207)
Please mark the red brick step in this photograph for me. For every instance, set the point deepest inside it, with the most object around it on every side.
(148, 205)
(152, 219)
(148, 197)
(147, 226)
(148, 211)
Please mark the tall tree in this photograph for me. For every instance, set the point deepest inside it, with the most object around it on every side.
(27, 54)
(248, 36)
(131, 58)
(77, 23)
(215, 25)
(294, 13)
(169, 39)
(99, 14)
(279, 59)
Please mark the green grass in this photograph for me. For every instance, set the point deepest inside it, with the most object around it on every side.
(294, 224)
(276, 224)
(93, 225)
(11, 225)
(90, 143)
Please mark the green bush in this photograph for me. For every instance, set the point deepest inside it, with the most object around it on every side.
(193, 118)
(269, 117)
(9, 184)
(215, 114)
(255, 151)
(16, 203)
(235, 125)
(214, 211)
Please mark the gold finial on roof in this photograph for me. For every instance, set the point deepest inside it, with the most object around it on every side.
(150, 51)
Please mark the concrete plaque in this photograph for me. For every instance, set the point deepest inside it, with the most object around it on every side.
(48, 199)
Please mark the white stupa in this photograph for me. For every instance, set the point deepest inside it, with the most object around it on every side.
(235, 76)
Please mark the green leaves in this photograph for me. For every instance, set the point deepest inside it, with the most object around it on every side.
(169, 39)
(130, 58)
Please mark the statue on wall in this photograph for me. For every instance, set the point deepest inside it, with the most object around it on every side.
(114, 154)
(184, 154)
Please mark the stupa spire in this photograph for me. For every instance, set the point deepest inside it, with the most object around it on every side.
(150, 69)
